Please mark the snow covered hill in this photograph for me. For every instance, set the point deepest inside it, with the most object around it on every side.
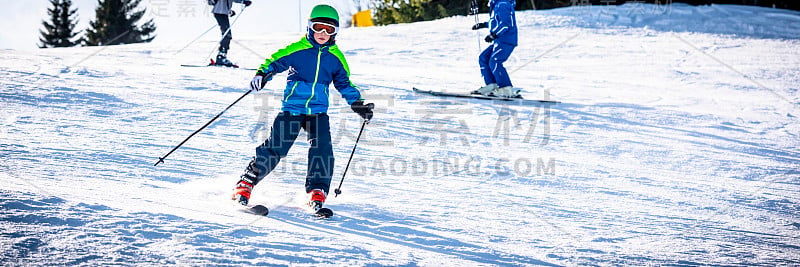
(676, 144)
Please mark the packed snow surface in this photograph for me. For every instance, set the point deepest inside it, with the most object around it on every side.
(676, 143)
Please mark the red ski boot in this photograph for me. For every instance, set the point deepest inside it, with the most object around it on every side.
(317, 199)
(242, 192)
(316, 202)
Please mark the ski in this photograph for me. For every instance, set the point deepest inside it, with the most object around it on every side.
(478, 96)
(324, 213)
(203, 66)
(214, 65)
(259, 210)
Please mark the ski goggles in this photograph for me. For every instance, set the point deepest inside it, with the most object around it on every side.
(320, 27)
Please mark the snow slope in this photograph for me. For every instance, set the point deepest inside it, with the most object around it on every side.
(674, 145)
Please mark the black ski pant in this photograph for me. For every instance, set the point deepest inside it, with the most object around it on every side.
(285, 129)
(224, 25)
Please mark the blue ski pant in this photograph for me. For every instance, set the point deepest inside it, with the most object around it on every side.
(491, 62)
(285, 129)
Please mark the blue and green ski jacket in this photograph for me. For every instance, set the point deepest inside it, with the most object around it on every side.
(312, 68)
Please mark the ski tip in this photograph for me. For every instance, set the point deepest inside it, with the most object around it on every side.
(324, 213)
(259, 210)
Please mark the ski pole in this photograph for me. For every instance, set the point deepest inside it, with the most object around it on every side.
(475, 9)
(161, 159)
(195, 39)
(339, 189)
(228, 30)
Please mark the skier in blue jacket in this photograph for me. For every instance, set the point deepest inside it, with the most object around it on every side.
(315, 62)
(502, 26)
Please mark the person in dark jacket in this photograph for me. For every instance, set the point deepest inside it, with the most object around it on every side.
(315, 62)
(222, 10)
(502, 26)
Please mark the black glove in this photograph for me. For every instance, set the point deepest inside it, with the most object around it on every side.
(232, 13)
(247, 2)
(490, 38)
(363, 110)
(480, 25)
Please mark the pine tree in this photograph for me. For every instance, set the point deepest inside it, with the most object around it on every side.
(403, 11)
(59, 31)
(115, 23)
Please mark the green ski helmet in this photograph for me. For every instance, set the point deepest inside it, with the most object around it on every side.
(324, 13)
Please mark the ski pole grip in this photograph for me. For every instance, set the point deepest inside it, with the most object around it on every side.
(370, 106)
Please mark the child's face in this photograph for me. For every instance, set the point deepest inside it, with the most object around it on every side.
(321, 37)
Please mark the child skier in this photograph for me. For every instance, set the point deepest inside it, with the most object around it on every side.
(221, 10)
(314, 62)
(502, 26)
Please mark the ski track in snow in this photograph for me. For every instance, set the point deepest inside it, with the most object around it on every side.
(676, 144)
